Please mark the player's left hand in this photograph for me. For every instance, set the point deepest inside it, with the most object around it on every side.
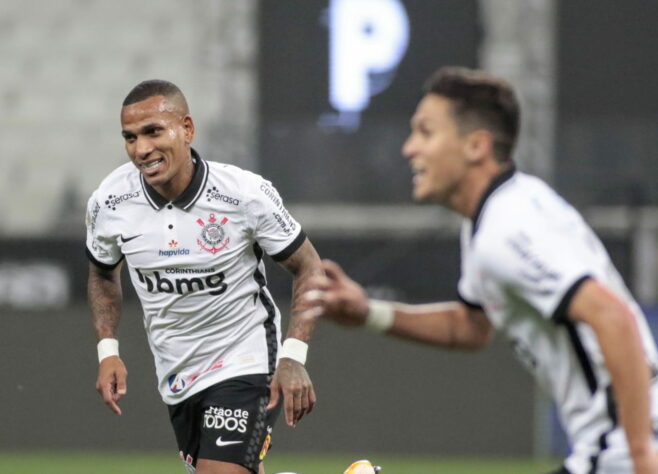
(291, 378)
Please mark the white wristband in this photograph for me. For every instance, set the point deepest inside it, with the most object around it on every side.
(380, 315)
(107, 347)
(294, 349)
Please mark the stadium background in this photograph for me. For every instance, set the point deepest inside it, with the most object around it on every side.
(256, 74)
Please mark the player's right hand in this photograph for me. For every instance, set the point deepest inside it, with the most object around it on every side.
(337, 297)
(111, 382)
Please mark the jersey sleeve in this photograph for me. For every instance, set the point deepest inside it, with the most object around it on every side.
(102, 246)
(541, 267)
(275, 230)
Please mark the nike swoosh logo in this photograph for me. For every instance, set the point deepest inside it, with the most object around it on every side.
(128, 239)
(220, 443)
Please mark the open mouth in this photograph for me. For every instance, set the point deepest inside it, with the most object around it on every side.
(151, 165)
(417, 170)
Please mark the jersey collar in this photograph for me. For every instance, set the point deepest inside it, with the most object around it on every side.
(497, 182)
(189, 196)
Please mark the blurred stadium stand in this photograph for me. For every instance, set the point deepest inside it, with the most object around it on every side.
(590, 68)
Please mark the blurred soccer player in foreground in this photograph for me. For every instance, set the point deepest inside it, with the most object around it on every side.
(193, 234)
(531, 268)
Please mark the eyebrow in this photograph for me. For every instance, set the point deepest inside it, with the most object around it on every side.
(418, 121)
(145, 129)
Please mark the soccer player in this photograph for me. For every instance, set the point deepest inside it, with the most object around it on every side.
(531, 268)
(193, 234)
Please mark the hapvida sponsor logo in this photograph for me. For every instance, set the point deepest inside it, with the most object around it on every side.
(229, 419)
(171, 253)
(173, 250)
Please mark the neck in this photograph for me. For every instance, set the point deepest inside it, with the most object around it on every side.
(470, 192)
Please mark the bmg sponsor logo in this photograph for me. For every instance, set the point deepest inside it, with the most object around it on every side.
(229, 419)
(160, 284)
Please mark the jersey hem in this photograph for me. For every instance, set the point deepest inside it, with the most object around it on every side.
(468, 303)
(560, 313)
(99, 264)
(202, 385)
(291, 248)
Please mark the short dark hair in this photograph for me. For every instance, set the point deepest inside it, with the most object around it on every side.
(480, 100)
(150, 88)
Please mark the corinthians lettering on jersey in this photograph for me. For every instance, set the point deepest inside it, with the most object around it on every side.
(283, 218)
(160, 284)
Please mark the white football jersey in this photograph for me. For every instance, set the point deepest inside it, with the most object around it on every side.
(524, 255)
(196, 265)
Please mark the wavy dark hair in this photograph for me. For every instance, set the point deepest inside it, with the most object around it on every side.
(480, 100)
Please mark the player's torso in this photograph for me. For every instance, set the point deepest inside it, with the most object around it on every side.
(525, 219)
(196, 265)
(172, 251)
(564, 357)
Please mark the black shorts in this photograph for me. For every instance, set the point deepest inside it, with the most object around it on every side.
(226, 422)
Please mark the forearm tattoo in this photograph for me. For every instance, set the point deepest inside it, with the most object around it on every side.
(105, 301)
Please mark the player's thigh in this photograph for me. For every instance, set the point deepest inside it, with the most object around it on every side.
(209, 466)
(236, 426)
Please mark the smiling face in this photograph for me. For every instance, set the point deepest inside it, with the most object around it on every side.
(437, 151)
(158, 132)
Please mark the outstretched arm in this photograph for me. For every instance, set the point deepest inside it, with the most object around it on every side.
(291, 376)
(104, 294)
(450, 324)
(619, 339)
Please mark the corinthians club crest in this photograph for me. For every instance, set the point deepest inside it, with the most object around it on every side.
(213, 236)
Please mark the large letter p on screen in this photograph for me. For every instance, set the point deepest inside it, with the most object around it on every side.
(366, 37)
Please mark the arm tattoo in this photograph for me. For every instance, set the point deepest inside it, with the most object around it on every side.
(303, 264)
(104, 294)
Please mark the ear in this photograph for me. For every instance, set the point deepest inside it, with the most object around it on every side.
(188, 125)
(479, 145)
